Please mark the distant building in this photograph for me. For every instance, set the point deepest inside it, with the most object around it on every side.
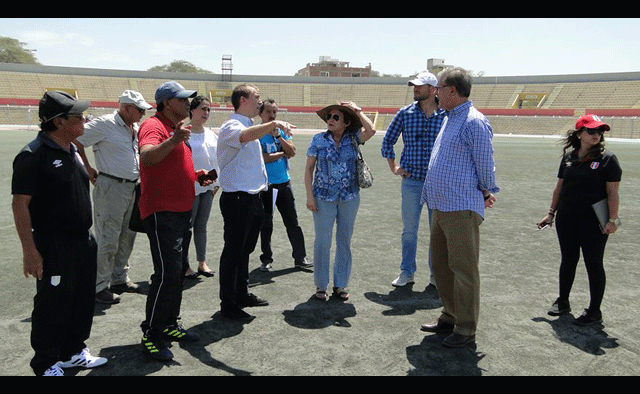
(327, 67)
(436, 65)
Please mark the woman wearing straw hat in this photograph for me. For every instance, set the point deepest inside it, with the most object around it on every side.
(333, 192)
(588, 174)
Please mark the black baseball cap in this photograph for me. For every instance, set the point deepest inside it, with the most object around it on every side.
(56, 103)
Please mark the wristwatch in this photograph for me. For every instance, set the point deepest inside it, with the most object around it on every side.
(616, 221)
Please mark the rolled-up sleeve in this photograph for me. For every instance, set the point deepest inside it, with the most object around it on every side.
(391, 137)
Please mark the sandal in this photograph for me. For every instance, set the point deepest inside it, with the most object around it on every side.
(208, 274)
(321, 295)
(341, 293)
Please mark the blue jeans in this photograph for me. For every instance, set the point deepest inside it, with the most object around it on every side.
(411, 190)
(343, 213)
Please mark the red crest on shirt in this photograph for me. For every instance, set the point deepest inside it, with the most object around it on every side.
(595, 165)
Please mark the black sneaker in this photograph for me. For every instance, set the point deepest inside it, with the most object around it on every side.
(178, 333)
(559, 307)
(156, 348)
(588, 318)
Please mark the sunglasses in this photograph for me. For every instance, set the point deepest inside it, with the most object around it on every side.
(334, 116)
(594, 131)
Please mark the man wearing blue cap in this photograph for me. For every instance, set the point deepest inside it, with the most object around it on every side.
(167, 179)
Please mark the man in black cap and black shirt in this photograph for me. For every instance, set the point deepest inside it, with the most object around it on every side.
(52, 212)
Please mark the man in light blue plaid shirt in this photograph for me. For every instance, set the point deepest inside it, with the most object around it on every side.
(458, 187)
(419, 124)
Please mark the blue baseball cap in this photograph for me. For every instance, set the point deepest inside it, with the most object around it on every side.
(171, 89)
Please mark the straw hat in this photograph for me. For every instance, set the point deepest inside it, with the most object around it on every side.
(355, 125)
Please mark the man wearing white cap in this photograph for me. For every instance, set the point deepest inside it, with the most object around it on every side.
(419, 123)
(114, 138)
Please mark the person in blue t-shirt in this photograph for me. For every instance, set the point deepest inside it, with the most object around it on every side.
(276, 152)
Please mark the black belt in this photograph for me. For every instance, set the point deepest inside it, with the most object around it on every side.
(252, 195)
(121, 180)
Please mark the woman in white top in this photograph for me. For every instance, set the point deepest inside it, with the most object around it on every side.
(203, 142)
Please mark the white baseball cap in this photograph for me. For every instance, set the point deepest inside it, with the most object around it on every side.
(135, 98)
(424, 78)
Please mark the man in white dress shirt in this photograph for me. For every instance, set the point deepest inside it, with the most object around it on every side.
(114, 138)
(243, 178)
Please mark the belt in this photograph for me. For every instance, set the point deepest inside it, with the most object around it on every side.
(121, 180)
(252, 195)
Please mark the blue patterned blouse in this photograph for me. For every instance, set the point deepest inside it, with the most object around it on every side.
(335, 175)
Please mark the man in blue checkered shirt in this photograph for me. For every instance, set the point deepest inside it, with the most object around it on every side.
(419, 124)
(458, 187)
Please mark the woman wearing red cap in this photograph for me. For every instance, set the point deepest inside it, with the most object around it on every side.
(588, 174)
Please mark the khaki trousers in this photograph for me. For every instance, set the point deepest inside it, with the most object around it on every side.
(455, 252)
(113, 204)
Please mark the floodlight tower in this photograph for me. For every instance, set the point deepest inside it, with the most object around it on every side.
(227, 68)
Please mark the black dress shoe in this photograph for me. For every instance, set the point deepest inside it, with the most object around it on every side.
(303, 264)
(458, 340)
(237, 314)
(438, 326)
(252, 300)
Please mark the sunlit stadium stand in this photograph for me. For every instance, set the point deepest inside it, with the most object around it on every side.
(540, 105)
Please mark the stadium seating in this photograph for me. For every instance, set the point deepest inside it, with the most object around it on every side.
(563, 101)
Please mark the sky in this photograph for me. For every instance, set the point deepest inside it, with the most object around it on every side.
(398, 46)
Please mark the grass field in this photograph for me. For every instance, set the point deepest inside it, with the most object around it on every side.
(377, 331)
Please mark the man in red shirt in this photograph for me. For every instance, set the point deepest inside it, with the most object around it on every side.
(167, 179)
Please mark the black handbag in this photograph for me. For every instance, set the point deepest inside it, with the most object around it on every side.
(363, 172)
(135, 222)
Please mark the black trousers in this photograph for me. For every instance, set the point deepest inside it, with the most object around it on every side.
(64, 302)
(242, 214)
(580, 231)
(286, 204)
(169, 236)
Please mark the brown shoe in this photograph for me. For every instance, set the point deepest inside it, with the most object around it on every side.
(107, 297)
(458, 340)
(438, 326)
(128, 287)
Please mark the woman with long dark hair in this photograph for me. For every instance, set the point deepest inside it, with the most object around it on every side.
(203, 142)
(588, 174)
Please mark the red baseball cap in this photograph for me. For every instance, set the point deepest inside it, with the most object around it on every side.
(591, 121)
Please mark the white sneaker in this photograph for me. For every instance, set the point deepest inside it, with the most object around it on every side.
(54, 370)
(83, 359)
(402, 280)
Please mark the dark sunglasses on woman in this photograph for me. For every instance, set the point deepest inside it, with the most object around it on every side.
(334, 116)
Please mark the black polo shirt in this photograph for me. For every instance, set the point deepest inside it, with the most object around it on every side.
(585, 182)
(58, 183)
